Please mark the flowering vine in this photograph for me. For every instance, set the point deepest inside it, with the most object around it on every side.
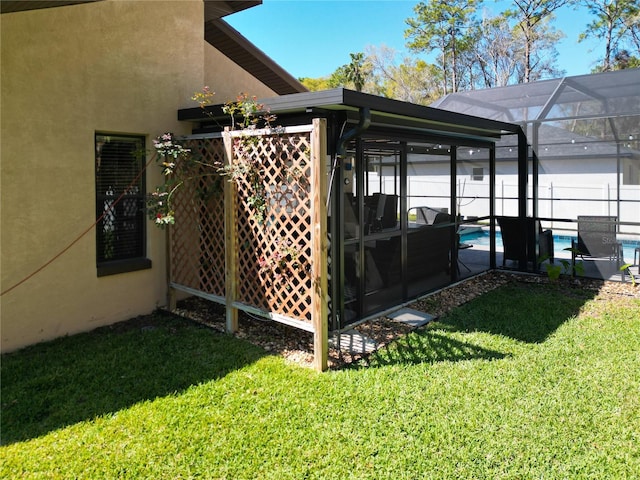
(180, 164)
(250, 111)
(282, 262)
(248, 164)
(175, 159)
(204, 97)
(170, 154)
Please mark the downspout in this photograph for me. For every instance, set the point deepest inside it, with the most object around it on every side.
(363, 124)
(337, 250)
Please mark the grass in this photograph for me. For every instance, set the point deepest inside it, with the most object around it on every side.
(525, 382)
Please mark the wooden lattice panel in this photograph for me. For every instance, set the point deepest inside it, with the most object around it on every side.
(197, 238)
(255, 238)
(274, 244)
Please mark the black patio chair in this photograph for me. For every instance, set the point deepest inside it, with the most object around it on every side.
(383, 211)
(424, 215)
(519, 242)
(596, 239)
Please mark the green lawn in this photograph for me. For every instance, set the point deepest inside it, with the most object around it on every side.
(528, 381)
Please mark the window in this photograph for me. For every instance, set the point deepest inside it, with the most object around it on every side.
(478, 174)
(120, 231)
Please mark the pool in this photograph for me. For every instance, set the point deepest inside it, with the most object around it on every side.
(560, 242)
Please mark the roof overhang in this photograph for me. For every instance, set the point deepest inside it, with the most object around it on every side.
(240, 50)
(10, 6)
(212, 8)
(385, 113)
(217, 32)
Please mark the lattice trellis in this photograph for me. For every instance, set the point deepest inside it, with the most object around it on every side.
(197, 238)
(274, 244)
(256, 238)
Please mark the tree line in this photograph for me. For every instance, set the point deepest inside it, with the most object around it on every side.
(473, 50)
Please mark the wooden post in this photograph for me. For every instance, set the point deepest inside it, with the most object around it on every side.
(172, 301)
(319, 244)
(230, 241)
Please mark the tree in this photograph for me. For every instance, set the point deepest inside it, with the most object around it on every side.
(411, 80)
(357, 70)
(444, 28)
(532, 17)
(615, 22)
(623, 59)
(315, 84)
(632, 21)
(338, 78)
(497, 53)
(543, 55)
(356, 73)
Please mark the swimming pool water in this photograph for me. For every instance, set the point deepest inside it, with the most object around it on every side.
(560, 242)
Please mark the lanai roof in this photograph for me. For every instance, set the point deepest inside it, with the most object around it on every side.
(386, 113)
(585, 96)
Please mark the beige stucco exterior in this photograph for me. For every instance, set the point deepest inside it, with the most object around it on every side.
(217, 69)
(115, 66)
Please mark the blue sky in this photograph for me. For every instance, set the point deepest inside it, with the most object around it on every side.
(311, 38)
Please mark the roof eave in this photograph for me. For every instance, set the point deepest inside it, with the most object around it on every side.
(240, 50)
(13, 6)
(213, 8)
(385, 110)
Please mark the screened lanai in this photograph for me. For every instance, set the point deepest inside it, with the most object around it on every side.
(391, 195)
(583, 164)
(386, 201)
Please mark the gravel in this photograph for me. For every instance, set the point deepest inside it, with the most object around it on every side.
(296, 345)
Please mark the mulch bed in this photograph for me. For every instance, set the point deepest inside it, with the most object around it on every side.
(297, 345)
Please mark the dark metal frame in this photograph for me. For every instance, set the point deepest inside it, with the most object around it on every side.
(350, 116)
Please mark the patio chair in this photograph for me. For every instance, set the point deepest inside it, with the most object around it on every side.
(596, 239)
(381, 211)
(419, 216)
(517, 247)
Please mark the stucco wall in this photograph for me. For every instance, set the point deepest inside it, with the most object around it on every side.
(219, 68)
(67, 73)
